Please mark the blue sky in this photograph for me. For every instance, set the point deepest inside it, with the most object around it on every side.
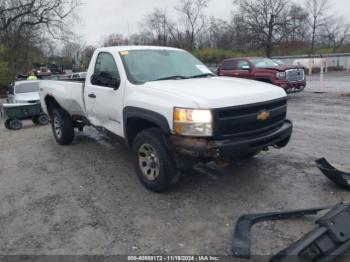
(103, 17)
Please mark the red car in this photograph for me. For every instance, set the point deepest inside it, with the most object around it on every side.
(290, 78)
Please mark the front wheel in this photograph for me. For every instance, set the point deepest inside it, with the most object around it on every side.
(62, 127)
(152, 161)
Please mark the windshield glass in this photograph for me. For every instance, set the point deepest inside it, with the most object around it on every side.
(263, 62)
(152, 65)
(28, 87)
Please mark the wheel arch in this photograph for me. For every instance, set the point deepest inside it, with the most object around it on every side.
(138, 119)
(51, 103)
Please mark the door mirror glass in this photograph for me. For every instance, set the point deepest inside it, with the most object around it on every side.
(245, 67)
(105, 79)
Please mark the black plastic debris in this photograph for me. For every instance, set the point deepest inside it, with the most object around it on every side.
(338, 177)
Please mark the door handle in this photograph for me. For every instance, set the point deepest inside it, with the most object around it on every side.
(92, 95)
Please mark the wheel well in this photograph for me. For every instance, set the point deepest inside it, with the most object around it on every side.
(51, 103)
(135, 125)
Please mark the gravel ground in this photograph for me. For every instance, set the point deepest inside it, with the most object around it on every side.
(86, 199)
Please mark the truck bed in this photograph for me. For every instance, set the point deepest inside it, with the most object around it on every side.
(68, 93)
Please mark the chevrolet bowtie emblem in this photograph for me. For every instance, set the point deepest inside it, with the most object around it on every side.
(263, 116)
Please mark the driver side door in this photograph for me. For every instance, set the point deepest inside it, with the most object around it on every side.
(104, 94)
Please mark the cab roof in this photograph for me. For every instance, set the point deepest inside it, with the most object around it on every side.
(135, 47)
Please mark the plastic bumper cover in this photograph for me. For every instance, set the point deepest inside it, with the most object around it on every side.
(196, 147)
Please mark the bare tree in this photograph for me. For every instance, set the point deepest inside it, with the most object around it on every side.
(25, 21)
(336, 32)
(192, 15)
(72, 53)
(318, 12)
(86, 57)
(298, 24)
(114, 40)
(156, 27)
(267, 21)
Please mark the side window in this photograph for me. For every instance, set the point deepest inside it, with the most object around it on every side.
(228, 65)
(106, 71)
(241, 64)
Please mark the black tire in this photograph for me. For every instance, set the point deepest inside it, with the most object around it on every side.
(62, 127)
(43, 120)
(14, 124)
(157, 173)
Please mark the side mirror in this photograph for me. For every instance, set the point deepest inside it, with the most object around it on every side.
(246, 67)
(105, 79)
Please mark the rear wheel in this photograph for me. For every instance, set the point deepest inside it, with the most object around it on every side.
(152, 161)
(62, 127)
(14, 124)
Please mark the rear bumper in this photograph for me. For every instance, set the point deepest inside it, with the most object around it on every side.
(204, 148)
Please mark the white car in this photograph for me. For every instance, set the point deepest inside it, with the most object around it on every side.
(170, 110)
(43, 71)
(24, 92)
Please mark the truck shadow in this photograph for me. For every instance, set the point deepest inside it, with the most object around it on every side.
(240, 175)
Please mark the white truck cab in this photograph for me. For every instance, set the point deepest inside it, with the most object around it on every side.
(169, 108)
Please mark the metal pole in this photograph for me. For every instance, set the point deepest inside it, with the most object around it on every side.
(310, 67)
(322, 75)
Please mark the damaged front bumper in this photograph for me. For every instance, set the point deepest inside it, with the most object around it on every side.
(206, 148)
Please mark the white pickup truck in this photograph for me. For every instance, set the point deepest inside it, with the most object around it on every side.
(170, 110)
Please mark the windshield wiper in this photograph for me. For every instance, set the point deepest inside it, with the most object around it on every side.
(202, 75)
(176, 77)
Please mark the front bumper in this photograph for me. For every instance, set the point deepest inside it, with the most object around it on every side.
(204, 148)
(292, 87)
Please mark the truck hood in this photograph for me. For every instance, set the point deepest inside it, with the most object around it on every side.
(217, 92)
(25, 97)
(279, 68)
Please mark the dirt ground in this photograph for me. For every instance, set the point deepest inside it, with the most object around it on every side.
(86, 199)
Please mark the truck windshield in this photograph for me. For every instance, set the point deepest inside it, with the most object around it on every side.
(26, 87)
(263, 62)
(155, 65)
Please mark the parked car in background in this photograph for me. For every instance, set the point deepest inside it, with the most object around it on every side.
(290, 77)
(80, 75)
(23, 102)
(43, 71)
(24, 92)
(169, 109)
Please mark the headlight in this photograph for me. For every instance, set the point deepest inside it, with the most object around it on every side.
(281, 75)
(193, 122)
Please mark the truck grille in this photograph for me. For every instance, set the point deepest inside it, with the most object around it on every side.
(295, 75)
(242, 121)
